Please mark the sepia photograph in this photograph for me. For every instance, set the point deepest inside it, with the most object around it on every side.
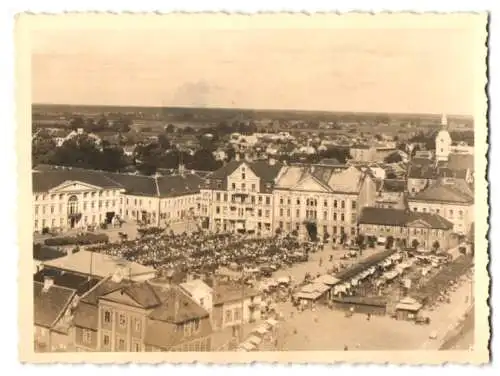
(278, 187)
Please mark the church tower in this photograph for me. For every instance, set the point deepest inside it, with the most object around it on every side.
(443, 141)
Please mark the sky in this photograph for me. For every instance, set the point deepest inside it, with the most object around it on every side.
(374, 68)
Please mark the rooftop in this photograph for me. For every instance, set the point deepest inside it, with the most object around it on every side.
(50, 305)
(98, 265)
(401, 217)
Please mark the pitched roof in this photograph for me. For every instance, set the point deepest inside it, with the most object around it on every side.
(106, 286)
(330, 161)
(140, 185)
(421, 172)
(382, 216)
(75, 282)
(176, 306)
(86, 316)
(228, 292)
(444, 193)
(461, 162)
(50, 304)
(401, 217)
(43, 253)
(393, 185)
(98, 265)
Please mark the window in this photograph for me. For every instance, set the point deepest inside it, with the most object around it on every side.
(243, 186)
(237, 314)
(353, 230)
(268, 200)
(229, 316)
(342, 217)
(414, 209)
(233, 186)
(107, 317)
(281, 212)
(106, 340)
(137, 325)
(342, 204)
(335, 204)
(288, 212)
(86, 336)
(325, 215)
(267, 213)
(136, 347)
(298, 213)
(325, 203)
(253, 187)
(298, 201)
(121, 344)
(460, 214)
(217, 196)
(334, 216)
(353, 205)
(281, 200)
(242, 176)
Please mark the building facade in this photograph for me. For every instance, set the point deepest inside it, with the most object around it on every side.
(318, 201)
(239, 197)
(135, 317)
(452, 200)
(67, 198)
(411, 228)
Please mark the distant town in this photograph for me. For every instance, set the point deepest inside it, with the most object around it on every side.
(185, 229)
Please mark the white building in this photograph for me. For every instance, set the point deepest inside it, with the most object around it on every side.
(322, 197)
(238, 197)
(443, 142)
(69, 198)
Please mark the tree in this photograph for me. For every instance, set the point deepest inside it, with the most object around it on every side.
(360, 240)
(393, 158)
(435, 246)
(414, 243)
(42, 149)
(371, 242)
(164, 142)
(76, 122)
(170, 128)
(389, 242)
(203, 160)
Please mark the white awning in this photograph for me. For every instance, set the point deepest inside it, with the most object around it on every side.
(247, 346)
(255, 340)
(272, 322)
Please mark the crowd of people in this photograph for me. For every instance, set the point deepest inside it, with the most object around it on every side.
(205, 253)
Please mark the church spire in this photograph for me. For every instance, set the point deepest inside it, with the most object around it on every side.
(444, 121)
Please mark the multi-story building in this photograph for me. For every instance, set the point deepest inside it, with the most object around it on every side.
(52, 316)
(133, 317)
(363, 153)
(391, 194)
(410, 228)
(66, 198)
(320, 200)
(452, 199)
(239, 197)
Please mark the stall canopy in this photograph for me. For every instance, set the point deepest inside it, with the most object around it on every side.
(272, 322)
(261, 330)
(247, 346)
(254, 339)
(327, 279)
(408, 304)
(364, 264)
(312, 291)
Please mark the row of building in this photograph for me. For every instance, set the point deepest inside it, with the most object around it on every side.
(126, 308)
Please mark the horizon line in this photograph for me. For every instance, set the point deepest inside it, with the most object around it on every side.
(258, 109)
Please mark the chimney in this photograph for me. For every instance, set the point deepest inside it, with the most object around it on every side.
(272, 161)
(237, 157)
(79, 131)
(48, 282)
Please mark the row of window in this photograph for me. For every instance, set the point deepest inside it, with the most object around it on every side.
(336, 230)
(60, 196)
(224, 197)
(447, 214)
(401, 230)
(122, 321)
(242, 212)
(53, 223)
(314, 202)
(72, 208)
(312, 214)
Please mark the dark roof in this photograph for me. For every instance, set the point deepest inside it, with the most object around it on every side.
(44, 181)
(444, 193)
(43, 253)
(143, 293)
(421, 161)
(401, 217)
(421, 172)
(227, 292)
(461, 162)
(75, 282)
(330, 161)
(434, 220)
(364, 264)
(359, 146)
(49, 305)
(177, 185)
(383, 216)
(140, 185)
(104, 287)
(85, 316)
(176, 307)
(394, 185)
(166, 335)
(445, 172)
